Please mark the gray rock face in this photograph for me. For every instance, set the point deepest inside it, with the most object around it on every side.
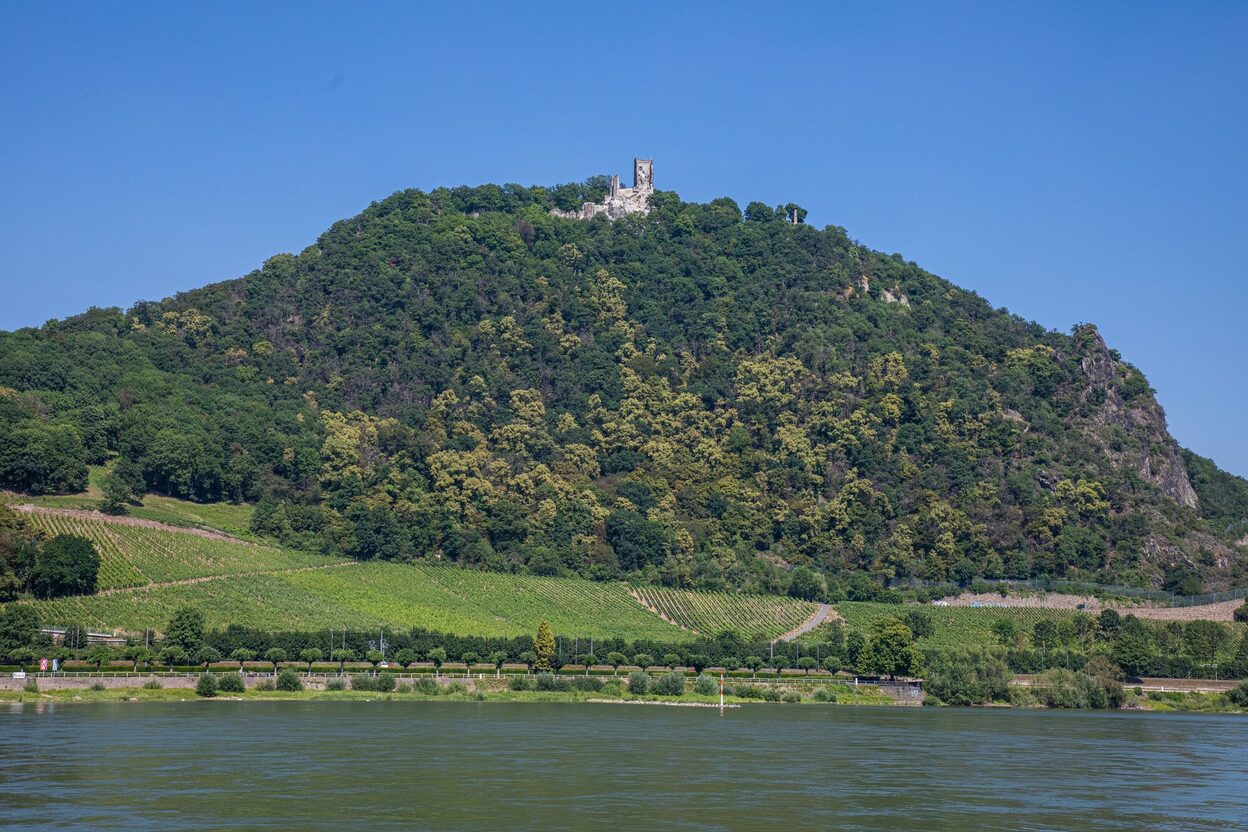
(620, 201)
(1157, 458)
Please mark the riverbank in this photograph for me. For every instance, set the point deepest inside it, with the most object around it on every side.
(1136, 700)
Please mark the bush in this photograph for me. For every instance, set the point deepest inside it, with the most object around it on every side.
(930, 701)
(824, 694)
(152, 684)
(337, 683)
(265, 684)
(546, 681)
(611, 689)
(1239, 695)
(521, 683)
(670, 684)
(706, 685)
(792, 697)
(746, 691)
(587, 683)
(32, 685)
(428, 687)
(1241, 613)
(385, 682)
(230, 683)
(363, 681)
(771, 694)
(455, 687)
(288, 680)
(207, 685)
(97, 686)
(968, 678)
(638, 683)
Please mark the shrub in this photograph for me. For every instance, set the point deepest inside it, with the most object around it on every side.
(455, 687)
(771, 694)
(363, 681)
(792, 696)
(611, 689)
(97, 686)
(1241, 613)
(426, 686)
(31, 686)
(1239, 695)
(288, 680)
(521, 683)
(546, 681)
(337, 683)
(638, 683)
(207, 685)
(404, 688)
(823, 693)
(930, 701)
(670, 684)
(706, 685)
(587, 683)
(152, 684)
(265, 684)
(747, 691)
(385, 682)
(230, 683)
(968, 678)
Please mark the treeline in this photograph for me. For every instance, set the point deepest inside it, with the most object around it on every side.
(33, 563)
(702, 396)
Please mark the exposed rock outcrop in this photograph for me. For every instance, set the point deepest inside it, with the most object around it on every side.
(1153, 454)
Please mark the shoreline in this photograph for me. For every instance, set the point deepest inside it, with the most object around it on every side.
(1183, 703)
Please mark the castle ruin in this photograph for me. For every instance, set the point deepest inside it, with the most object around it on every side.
(621, 201)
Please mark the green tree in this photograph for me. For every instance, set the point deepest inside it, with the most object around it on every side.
(186, 630)
(275, 656)
(498, 658)
(207, 655)
(755, 664)
(615, 658)
(242, 655)
(807, 584)
(19, 624)
(172, 655)
(1132, 648)
(437, 655)
(890, 651)
(470, 658)
(671, 660)
(1204, 639)
(117, 494)
(529, 658)
(138, 654)
(342, 655)
(375, 657)
(98, 654)
(807, 664)
(544, 647)
(643, 660)
(406, 657)
(207, 685)
(67, 565)
(309, 655)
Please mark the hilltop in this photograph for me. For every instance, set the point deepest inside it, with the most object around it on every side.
(698, 396)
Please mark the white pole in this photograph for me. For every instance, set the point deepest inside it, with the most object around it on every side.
(721, 694)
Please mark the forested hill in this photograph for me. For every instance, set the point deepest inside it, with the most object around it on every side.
(693, 397)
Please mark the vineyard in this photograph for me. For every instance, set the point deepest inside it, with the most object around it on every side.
(952, 626)
(133, 556)
(341, 595)
(708, 613)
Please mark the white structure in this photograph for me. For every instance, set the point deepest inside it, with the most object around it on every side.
(621, 201)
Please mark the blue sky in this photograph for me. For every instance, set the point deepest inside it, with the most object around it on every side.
(1072, 162)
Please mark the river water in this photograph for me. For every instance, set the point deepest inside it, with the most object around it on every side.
(466, 765)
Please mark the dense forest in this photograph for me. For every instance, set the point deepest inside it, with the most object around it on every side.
(700, 396)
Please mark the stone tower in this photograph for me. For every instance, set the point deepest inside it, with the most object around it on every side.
(620, 201)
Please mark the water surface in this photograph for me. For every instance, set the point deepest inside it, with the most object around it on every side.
(463, 765)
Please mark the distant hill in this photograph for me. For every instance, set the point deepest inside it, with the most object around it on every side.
(688, 397)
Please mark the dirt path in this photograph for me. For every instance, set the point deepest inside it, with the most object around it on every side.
(100, 517)
(820, 615)
(205, 578)
(1221, 611)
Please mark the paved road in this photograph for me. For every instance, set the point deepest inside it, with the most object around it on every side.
(809, 624)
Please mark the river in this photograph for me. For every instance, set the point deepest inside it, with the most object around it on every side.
(466, 765)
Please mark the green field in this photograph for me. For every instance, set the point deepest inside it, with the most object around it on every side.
(953, 626)
(356, 596)
(133, 556)
(708, 613)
